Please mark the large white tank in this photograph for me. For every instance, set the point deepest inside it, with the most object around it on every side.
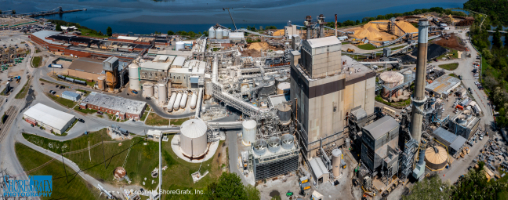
(176, 106)
(171, 102)
(134, 77)
(283, 88)
(194, 100)
(336, 156)
(211, 33)
(162, 93)
(225, 33)
(183, 102)
(179, 45)
(218, 33)
(408, 75)
(249, 129)
(391, 79)
(193, 138)
(147, 89)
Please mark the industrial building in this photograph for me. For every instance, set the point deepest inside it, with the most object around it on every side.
(442, 86)
(71, 95)
(155, 70)
(454, 143)
(86, 68)
(52, 120)
(327, 87)
(464, 124)
(120, 107)
(189, 75)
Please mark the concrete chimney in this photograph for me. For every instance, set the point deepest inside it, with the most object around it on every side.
(308, 25)
(418, 97)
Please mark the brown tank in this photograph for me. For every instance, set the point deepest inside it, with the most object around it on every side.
(110, 80)
(101, 82)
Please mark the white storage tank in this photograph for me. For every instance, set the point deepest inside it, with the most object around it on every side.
(179, 45)
(147, 89)
(171, 102)
(176, 106)
(194, 101)
(218, 33)
(283, 88)
(183, 102)
(225, 33)
(193, 138)
(249, 129)
(162, 93)
(211, 33)
(134, 77)
(336, 156)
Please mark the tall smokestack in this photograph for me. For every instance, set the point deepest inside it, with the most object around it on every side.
(308, 26)
(335, 25)
(419, 94)
(321, 25)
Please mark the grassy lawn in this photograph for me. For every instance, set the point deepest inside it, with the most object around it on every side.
(65, 102)
(88, 32)
(144, 116)
(36, 61)
(44, 80)
(367, 46)
(72, 125)
(400, 104)
(66, 184)
(22, 93)
(85, 111)
(453, 75)
(156, 120)
(450, 67)
(178, 122)
(85, 93)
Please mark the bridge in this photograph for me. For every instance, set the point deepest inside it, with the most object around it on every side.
(57, 10)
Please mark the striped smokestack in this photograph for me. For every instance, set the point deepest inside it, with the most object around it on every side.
(418, 97)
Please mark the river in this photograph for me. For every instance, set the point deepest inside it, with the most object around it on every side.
(147, 16)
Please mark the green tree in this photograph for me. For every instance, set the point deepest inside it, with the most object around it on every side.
(171, 32)
(252, 193)
(13, 11)
(191, 33)
(58, 27)
(380, 17)
(229, 186)
(358, 22)
(109, 31)
(475, 185)
(433, 188)
(497, 39)
(487, 54)
(0, 11)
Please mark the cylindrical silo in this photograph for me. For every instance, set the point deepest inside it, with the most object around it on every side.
(408, 75)
(162, 93)
(179, 45)
(211, 33)
(194, 101)
(176, 106)
(134, 77)
(193, 138)
(225, 33)
(436, 157)
(284, 113)
(249, 129)
(283, 88)
(101, 82)
(111, 80)
(218, 33)
(336, 155)
(183, 102)
(209, 88)
(171, 102)
(147, 89)
(390, 80)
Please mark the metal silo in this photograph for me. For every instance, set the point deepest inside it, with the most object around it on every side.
(176, 106)
(134, 77)
(171, 102)
(249, 130)
(284, 113)
(193, 138)
(194, 100)
(336, 156)
(101, 82)
(162, 93)
(147, 89)
(218, 33)
(211, 33)
(225, 33)
(408, 75)
(183, 102)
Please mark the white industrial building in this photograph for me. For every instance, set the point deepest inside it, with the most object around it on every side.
(188, 75)
(51, 119)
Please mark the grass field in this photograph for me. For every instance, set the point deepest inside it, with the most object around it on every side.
(367, 46)
(156, 120)
(178, 122)
(44, 80)
(71, 186)
(65, 102)
(22, 93)
(143, 117)
(450, 67)
(36, 61)
(400, 104)
(85, 111)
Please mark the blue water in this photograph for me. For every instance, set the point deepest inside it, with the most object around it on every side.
(148, 16)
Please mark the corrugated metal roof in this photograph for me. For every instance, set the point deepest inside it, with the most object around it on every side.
(445, 135)
(318, 167)
(70, 94)
(193, 128)
(458, 143)
(442, 84)
(359, 113)
(321, 42)
(381, 126)
(48, 115)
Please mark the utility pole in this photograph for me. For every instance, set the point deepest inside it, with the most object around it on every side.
(231, 17)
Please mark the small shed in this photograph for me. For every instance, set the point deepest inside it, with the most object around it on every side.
(71, 95)
(320, 171)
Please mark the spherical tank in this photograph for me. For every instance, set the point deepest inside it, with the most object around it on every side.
(193, 138)
(225, 33)
(218, 33)
(183, 102)
(391, 79)
(101, 81)
(119, 173)
(436, 157)
(171, 102)
(336, 155)
(179, 46)
(162, 93)
(211, 33)
(147, 89)
(176, 106)
(249, 129)
(194, 101)
(283, 88)
(110, 80)
(284, 113)
(134, 77)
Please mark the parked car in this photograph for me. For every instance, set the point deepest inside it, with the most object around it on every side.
(81, 120)
(99, 112)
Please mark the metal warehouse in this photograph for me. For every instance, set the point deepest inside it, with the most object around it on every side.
(443, 85)
(51, 119)
(121, 107)
(71, 95)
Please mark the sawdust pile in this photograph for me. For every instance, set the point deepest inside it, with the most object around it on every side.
(259, 46)
(406, 26)
(379, 32)
(279, 32)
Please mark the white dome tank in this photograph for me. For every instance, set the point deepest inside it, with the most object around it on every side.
(218, 33)
(176, 106)
(147, 89)
(171, 102)
(211, 33)
(225, 33)
(183, 102)
(194, 101)
(193, 138)
(179, 45)
(134, 77)
(249, 129)
(336, 156)
(162, 93)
